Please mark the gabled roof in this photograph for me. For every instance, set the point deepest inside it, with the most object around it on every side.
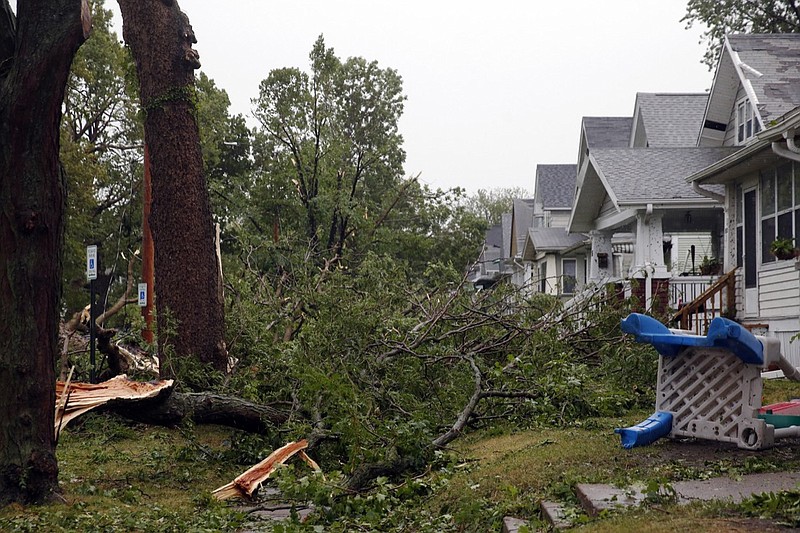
(555, 185)
(521, 220)
(607, 132)
(767, 66)
(506, 221)
(554, 239)
(494, 236)
(667, 120)
(635, 177)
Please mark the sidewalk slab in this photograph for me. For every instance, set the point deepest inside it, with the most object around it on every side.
(735, 490)
(553, 513)
(596, 498)
(513, 525)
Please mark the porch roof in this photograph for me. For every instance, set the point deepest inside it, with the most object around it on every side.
(551, 240)
(619, 179)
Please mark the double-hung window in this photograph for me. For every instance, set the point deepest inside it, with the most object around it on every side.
(569, 271)
(747, 124)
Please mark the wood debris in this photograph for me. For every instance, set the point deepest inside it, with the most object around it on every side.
(248, 482)
(78, 398)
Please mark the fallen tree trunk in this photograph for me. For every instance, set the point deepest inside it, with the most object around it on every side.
(203, 408)
(156, 403)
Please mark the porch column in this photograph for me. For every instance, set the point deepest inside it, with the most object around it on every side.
(649, 270)
(649, 250)
(601, 263)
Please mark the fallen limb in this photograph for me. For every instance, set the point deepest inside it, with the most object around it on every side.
(248, 482)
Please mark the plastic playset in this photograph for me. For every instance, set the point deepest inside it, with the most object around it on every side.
(710, 386)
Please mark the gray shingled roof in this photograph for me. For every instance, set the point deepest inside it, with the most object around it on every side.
(553, 239)
(607, 132)
(672, 120)
(555, 185)
(777, 58)
(652, 174)
(494, 236)
(506, 223)
(523, 219)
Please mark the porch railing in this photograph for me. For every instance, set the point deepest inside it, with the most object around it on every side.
(717, 300)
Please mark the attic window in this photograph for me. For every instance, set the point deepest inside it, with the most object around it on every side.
(747, 124)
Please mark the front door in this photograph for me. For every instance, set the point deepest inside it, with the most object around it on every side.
(750, 256)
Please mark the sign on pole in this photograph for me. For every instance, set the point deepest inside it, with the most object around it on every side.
(91, 262)
(143, 295)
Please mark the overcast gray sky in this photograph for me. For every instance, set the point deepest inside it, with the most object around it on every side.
(493, 87)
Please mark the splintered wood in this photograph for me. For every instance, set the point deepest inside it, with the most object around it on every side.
(246, 484)
(74, 399)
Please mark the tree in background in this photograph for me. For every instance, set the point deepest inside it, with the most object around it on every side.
(490, 204)
(101, 150)
(36, 48)
(728, 16)
(332, 138)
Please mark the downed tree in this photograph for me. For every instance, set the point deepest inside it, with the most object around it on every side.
(75, 399)
(157, 403)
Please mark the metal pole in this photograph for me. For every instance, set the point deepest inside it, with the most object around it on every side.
(92, 370)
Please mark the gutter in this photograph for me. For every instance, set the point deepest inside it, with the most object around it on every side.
(791, 151)
(720, 198)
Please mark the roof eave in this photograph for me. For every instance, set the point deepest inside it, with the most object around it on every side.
(764, 140)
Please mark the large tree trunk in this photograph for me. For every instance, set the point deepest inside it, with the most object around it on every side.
(188, 282)
(36, 50)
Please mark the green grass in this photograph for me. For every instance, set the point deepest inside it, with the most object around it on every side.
(121, 476)
(117, 476)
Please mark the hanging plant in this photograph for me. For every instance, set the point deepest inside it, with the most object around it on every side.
(783, 248)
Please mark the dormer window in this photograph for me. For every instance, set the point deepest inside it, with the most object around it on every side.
(747, 124)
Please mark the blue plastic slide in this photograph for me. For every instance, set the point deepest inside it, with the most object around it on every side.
(722, 333)
(657, 425)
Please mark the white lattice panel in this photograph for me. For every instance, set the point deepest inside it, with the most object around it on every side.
(713, 395)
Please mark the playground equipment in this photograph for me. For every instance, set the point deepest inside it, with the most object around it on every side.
(710, 386)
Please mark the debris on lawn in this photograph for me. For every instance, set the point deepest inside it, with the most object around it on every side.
(75, 399)
(248, 482)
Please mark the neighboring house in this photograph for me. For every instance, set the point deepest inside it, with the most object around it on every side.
(492, 265)
(631, 196)
(556, 259)
(753, 109)
(521, 220)
(486, 270)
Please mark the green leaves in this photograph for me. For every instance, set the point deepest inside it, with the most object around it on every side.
(721, 17)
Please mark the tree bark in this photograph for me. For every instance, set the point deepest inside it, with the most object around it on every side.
(202, 408)
(36, 50)
(190, 315)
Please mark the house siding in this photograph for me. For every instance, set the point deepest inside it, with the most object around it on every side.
(779, 291)
(730, 133)
(559, 219)
(607, 208)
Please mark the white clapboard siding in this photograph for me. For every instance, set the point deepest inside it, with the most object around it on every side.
(779, 291)
(682, 244)
(607, 208)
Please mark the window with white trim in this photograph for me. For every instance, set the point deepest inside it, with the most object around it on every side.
(569, 276)
(747, 124)
(780, 206)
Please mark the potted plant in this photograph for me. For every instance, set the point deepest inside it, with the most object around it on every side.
(783, 248)
(710, 266)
